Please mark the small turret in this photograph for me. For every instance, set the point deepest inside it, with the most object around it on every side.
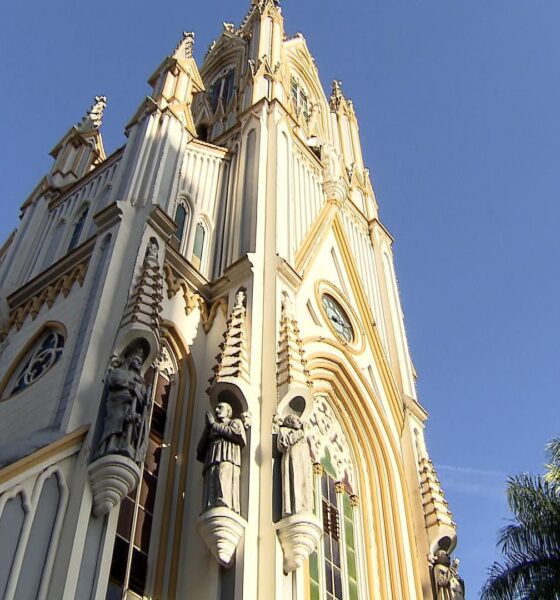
(176, 81)
(80, 150)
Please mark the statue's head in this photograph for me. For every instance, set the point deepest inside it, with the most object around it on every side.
(442, 558)
(293, 422)
(223, 411)
(135, 357)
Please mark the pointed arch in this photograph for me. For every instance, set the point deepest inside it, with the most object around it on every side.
(386, 518)
(77, 226)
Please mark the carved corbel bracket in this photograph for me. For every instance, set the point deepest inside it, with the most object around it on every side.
(299, 536)
(221, 529)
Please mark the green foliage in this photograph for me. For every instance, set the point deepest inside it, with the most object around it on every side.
(530, 543)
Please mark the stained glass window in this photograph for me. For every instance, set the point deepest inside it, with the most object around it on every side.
(43, 358)
(333, 568)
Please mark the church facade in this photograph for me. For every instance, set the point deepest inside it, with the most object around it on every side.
(206, 390)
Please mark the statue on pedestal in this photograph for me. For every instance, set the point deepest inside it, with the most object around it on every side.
(219, 449)
(297, 469)
(125, 425)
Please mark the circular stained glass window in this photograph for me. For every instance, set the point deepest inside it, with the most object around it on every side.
(338, 318)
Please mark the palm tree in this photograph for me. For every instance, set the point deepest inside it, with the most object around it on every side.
(531, 542)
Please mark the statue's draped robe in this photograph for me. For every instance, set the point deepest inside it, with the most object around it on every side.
(297, 474)
(220, 450)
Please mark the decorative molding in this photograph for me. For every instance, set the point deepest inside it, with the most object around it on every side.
(94, 116)
(46, 287)
(221, 529)
(44, 454)
(194, 300)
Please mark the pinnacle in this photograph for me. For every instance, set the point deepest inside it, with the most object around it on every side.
(184, 49)
(94, 116)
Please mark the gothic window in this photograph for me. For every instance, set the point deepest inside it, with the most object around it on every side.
(77, 230)
(198, 247)
(333, 568)
(222, 89)
(300, 99)
(43, 357)
(129, 566)
(181, 214)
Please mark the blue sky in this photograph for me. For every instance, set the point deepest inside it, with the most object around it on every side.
(459, 111)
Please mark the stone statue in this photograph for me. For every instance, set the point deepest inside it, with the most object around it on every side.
(331, 163)
(449, 586)
(219, 449)
(125, 426)
(297, 469)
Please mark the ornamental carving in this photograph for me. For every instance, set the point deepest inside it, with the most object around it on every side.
(48, 295)
(325, 433)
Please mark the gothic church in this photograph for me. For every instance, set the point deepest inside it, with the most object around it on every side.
(206, 391)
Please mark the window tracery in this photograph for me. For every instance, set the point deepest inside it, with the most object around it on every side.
(222, 89)
(300, 99)
(333, 568)
(43, 357)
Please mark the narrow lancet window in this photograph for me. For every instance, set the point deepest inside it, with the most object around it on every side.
(77, 231)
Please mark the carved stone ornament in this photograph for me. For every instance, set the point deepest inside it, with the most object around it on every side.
(299, 536)
(221, 529)
(325, 433)
(111, 478)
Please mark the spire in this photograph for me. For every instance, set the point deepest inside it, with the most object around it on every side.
(337, 96)
(94, 116)
(175, 82)
(80, 150)
(291, 364)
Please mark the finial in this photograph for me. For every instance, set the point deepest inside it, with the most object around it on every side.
(94, 116)
(229, 27)
(184, 49)
(336, 95)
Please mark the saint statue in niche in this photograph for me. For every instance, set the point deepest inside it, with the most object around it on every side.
(219, 449)
(125, 425)
(449, 586)
(297, 469)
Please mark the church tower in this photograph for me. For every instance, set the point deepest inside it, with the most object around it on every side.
(206, 390)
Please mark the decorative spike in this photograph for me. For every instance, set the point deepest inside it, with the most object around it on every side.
(336, 96)
(184, 49)
(93, 118)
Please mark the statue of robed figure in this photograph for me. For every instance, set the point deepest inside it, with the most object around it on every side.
(297, 469)
(219, 449)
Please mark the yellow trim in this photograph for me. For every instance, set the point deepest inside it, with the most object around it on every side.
(43, 454)
(310, 246)
(390, 386)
